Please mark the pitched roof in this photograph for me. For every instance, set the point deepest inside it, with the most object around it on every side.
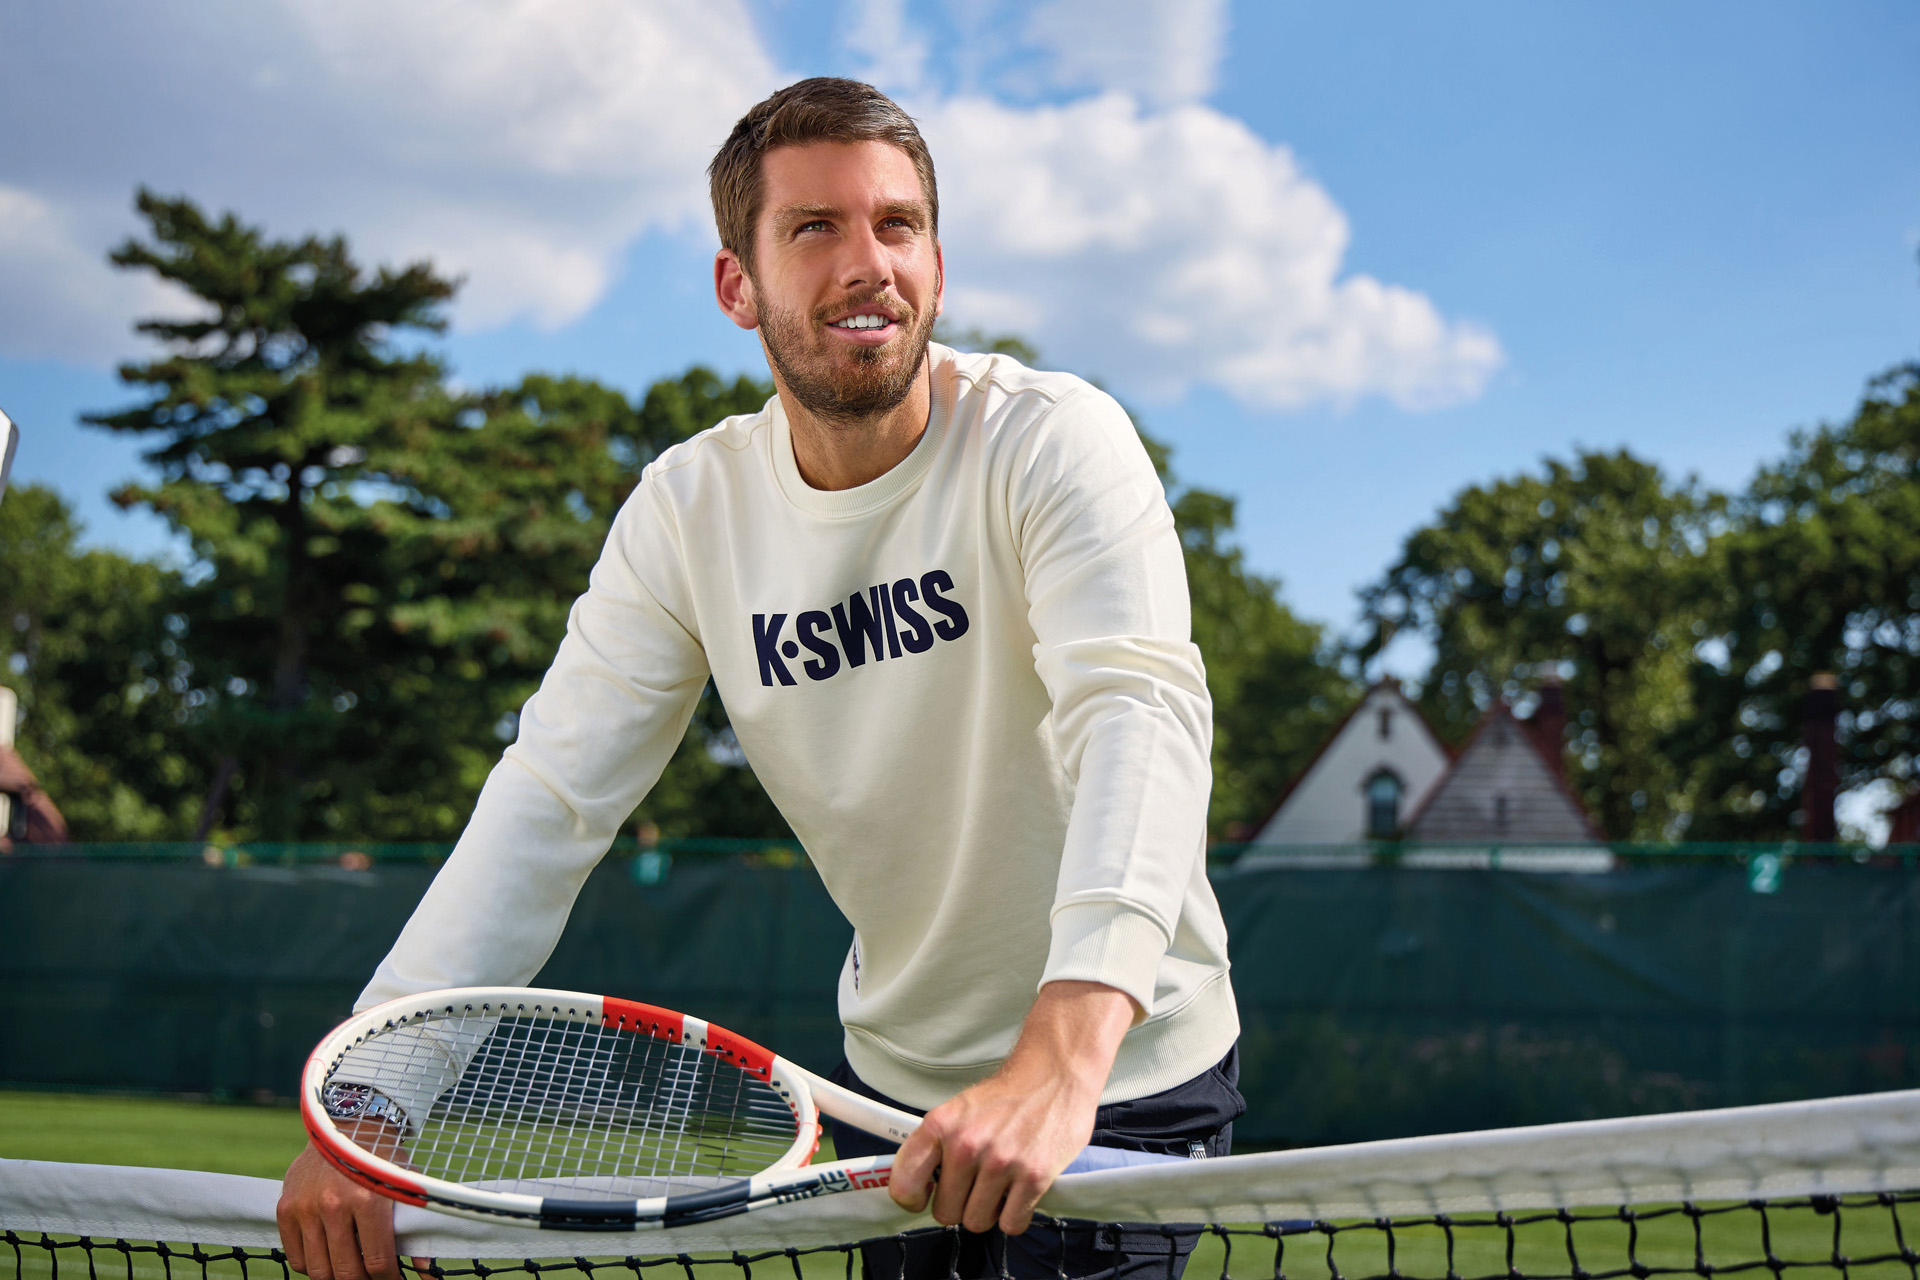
(1503, 787)
(1385, 683)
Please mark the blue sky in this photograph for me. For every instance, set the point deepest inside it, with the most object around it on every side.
(1347, 258)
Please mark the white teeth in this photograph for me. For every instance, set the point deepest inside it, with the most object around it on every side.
(861, 322)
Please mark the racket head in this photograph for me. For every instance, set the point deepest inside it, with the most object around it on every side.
(511, 1102)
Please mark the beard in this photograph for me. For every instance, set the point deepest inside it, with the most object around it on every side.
(815, 370)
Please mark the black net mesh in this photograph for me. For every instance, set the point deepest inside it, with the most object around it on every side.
(1867, 1236)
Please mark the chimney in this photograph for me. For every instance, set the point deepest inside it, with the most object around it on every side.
(1549, 723)
(1823, 761)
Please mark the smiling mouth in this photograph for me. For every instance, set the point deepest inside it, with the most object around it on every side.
(864, 320)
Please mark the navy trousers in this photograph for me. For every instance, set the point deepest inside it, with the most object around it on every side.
(1193, 1119)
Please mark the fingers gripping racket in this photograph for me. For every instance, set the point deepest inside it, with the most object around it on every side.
(575, 1112)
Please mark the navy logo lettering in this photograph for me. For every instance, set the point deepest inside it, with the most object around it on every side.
(886, 608)
(886, 620)
(858, 626)
(918, 636)
(931, 585)
(766, 643)
(825, 662)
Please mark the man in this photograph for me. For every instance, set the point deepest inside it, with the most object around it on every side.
(944, 601)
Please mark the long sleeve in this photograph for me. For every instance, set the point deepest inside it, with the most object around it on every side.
(1131, 719)
(592, 741)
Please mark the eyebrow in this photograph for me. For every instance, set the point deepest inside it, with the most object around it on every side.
(795, 215)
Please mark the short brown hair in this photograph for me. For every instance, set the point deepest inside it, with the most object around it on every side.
(823, 109)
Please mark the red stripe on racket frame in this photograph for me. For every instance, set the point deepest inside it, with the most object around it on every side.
(646, 1019)
(401, 1189)
(740, 1051)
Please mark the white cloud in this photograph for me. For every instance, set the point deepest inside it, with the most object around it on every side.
(1160, 51)
(60, 299)
(513, 264)
(892, 53)
(1142, 234)
(638, 93)
(524, 144)
(1174, 248)
(544, 137)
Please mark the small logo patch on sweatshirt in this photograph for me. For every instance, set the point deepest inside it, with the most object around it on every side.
(886, 620)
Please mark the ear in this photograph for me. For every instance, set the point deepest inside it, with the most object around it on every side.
(733, 290)
(939, 280)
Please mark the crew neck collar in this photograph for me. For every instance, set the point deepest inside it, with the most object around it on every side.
(882, 489)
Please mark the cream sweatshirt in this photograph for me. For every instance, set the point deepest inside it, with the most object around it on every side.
(969, 685)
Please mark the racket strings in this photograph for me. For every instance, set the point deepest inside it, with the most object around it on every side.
(522, 1102)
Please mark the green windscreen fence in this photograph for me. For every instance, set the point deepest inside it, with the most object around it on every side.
(1376, 1000)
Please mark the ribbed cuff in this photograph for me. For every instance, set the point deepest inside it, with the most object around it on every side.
(1107, 942)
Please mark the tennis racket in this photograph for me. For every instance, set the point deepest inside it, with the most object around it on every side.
(575, 1112)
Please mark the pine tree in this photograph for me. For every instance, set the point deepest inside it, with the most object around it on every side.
(276, 410)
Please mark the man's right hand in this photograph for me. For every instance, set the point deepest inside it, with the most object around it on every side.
(332, 1228)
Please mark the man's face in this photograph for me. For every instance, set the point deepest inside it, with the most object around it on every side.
(847, 275)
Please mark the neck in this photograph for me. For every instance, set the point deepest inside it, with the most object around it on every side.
(834, 453)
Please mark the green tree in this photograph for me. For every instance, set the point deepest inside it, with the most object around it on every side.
(1822, 574)
(89, 643)
(274, 410)
(465, 565)
(1277, 684)
(1601, 569)
(383, 566)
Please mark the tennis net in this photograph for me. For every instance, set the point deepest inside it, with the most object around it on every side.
(1829, 1186)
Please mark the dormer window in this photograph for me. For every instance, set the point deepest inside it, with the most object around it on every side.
(1383, 792)
(1386, 723)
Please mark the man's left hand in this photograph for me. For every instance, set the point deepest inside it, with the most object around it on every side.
(999, 1145)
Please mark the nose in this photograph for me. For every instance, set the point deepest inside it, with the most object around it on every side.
(864, 261)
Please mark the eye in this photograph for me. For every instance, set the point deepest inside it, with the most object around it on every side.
(818, 224)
